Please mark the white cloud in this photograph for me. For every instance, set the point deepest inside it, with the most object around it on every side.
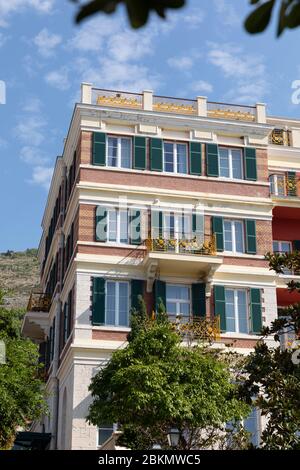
(33, 155)
(201, 86)
(90, 37)
(8, 7)
(59, 79)
(31, 130)
(193, 18)
(227, 13)
(181, 63)
(46, 42)
(32, 105)
(42, 176)
(128, 45)
(246, 71)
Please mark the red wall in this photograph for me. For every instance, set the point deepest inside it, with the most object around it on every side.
(286, 229)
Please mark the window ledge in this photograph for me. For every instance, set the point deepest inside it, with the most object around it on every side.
(241, 255)
(113, 245)
(232, 335)
(176, 175)
(124, 329)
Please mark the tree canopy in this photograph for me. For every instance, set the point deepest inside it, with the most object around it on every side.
(155, 383)
(139, 11)
(21, 390)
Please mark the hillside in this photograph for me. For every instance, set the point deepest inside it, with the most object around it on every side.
(19, 273)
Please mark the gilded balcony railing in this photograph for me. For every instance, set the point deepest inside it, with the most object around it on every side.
(231, 111)
(284, 185)
(39, 302)
(197, 328)
(116, 98)
(186, 246)
(168, 104)
(280, 137)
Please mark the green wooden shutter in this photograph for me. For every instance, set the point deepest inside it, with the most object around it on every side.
(256, 316)
(135, 226)
(250, 236)
(156, 154)
(139, 153)
(51, 343)
(217, 229)
(101, 228)
(198, 300)
(53, 340)
(99, 149)
(137, 288)
(195, 158)
(98, 305)
(250, 164)
(156, 224)
(212, 160)
(296, 245)
(160, 293)
(291, 186)
(220, 306)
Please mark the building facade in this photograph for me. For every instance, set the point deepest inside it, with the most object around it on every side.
(176, 200)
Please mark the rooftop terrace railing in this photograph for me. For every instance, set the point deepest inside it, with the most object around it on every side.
(231, 111)
(117, 98)
(167, 104)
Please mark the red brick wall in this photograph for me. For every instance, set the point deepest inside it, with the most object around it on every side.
(109, 335)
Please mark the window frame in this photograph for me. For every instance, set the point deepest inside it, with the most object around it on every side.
(118, 225)
(233, 236)
(177, 234)
(175, 157)
(178, 301)
(236, 310)
(280, 243)
(117, 303)
(230, 166)
(274, 184)
(105, 427)
(119, 153)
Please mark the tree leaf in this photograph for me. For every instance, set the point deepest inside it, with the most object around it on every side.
(259, 19)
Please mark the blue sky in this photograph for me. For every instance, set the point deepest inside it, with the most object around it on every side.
(44, 56)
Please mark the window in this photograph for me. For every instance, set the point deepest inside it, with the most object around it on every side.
(104, 433)
(175, 158)
(237, 310)
(234, 236)
(252, 425)
(119, 152)
(178, 298)
(117, 303)
(177, 226)
(277, 185)
(230, 163)
(118, 226)
(283, 247)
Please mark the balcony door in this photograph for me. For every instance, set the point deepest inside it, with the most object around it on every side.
(177, 227)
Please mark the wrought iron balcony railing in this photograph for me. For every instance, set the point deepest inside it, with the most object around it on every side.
(280, 137)
(197, 328)
(284, 185)
(39, 302)
(231, 111)
(186, 246)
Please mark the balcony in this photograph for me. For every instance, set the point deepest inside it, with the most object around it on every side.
(284, 186)
(195, 329)
(35, 323)
(186, 257)
(167, 104)
(280, 137)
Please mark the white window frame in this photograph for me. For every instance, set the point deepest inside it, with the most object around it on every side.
(175, 157)
(118, 227)
(178, 301)
(233, 236)
(117, 304)
(255, 439)
(230, 163)
(236, 311)
(280, 246)
(113, 428)
(274, 183)
(119, 138)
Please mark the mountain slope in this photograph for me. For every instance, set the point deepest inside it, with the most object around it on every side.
(19, 273)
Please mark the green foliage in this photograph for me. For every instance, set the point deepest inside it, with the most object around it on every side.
(259, 19)
(138, 319)
(138, 12)
(156, 383)
(21, 390)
